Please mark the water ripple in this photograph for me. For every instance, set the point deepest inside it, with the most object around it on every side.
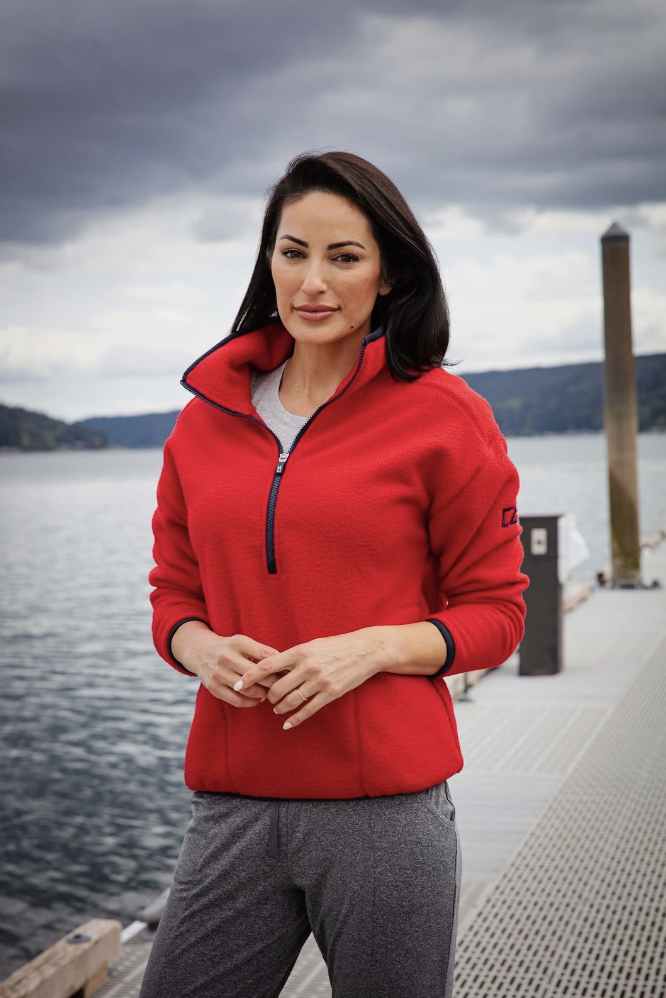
(94, 724)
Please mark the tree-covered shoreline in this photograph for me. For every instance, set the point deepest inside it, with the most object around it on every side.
(25, 430)
(533, 401)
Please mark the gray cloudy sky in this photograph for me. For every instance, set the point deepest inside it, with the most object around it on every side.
(138, 137)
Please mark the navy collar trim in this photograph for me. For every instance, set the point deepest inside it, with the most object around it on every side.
(375, 335)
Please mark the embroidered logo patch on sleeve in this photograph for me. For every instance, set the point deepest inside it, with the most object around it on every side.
(509, 516)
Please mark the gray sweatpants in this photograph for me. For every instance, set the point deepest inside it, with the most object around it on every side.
(376, 879)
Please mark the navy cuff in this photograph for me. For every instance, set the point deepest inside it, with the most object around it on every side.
(450, 647)
(173, 630)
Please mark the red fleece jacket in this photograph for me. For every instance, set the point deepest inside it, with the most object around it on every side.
(396, 504)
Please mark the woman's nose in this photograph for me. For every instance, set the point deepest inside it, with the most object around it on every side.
(313, 282)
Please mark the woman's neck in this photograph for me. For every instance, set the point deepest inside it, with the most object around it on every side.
(314, 371)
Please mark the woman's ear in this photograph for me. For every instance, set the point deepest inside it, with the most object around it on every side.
(387, 286)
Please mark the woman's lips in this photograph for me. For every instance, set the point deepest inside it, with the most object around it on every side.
(315, 316)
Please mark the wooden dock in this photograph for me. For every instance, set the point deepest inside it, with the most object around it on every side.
(561, 807)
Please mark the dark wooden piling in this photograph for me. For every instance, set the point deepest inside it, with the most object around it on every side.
(620, 411)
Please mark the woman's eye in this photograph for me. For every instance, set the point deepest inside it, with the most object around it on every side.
(294, 254)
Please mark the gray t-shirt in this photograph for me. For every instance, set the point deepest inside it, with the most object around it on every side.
(266, 400)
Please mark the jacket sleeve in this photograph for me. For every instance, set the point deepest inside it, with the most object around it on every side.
(475, 539)
(177, 595)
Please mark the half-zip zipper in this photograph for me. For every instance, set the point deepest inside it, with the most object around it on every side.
(283, 455)
(270, 513)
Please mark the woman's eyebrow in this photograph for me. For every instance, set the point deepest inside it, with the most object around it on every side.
(331, 246)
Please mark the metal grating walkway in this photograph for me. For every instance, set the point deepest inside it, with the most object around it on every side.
(126, 973)
(581, 908)
(522, 738)
(308, 979)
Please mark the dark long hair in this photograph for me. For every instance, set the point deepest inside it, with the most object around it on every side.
(414, 313)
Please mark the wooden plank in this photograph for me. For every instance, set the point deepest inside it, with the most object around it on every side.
(95, 982)
(574, 594)
(75, 965)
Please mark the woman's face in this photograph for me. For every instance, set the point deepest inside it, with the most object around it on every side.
(326, 269)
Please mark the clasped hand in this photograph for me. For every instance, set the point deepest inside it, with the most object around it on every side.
(323, 669)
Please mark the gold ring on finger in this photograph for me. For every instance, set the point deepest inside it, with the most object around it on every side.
(298, 690)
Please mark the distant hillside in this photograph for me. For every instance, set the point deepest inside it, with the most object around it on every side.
(526, 402)
(567, 399)
(25, 430)
(150, 430)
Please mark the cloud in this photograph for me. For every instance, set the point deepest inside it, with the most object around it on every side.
(484, 105)
(138, 297)
(225, 218)
(29, 354)
(41, 354)
(133, 303)
(139, 138)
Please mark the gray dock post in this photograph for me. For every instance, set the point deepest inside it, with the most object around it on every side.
(540, 652)
(620, 411)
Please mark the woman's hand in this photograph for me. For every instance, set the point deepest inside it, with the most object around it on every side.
(324, 669)
(219, 661)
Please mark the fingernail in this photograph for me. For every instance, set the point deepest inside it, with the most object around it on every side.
(287, 724)
(262, 699)
(238, 685)
(275, 710)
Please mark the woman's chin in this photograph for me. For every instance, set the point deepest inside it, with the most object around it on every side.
(330, 331)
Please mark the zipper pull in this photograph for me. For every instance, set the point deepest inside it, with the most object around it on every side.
(281, 463)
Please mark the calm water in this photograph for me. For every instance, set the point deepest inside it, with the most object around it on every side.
(94, 724)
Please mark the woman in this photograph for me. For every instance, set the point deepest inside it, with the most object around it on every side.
(336, 532)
